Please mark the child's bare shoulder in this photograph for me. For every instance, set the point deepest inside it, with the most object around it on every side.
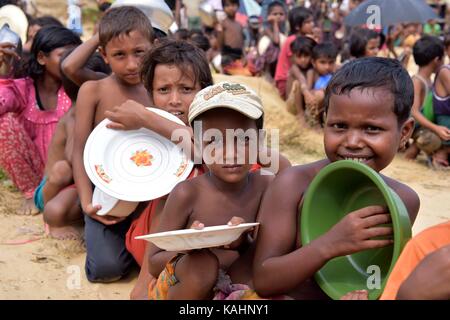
(187, 190)
(407, 194)
(291, 184)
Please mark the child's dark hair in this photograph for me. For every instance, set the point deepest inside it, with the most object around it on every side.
(426, 49)
(324, 50)
(46, 40)
(46, 21)
(358, 41)
(94, 63)
(303, 46)
(224, 2)
(123, 20)
(181, 34)
(182, 54)
(375, 72)
(159, 34)
(200, 41)
(447, 40)
(275, 4)
(297, 16)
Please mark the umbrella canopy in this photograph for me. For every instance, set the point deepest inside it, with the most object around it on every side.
(390, 12)
(249, 8)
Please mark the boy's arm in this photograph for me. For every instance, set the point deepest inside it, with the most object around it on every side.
(220, 36)
(430, 279)
(310, 75)
(84, 121)
(276, 251)
(175, 216)
(73, 64)
(131, 115)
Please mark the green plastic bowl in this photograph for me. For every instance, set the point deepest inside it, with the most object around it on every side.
(338, 189)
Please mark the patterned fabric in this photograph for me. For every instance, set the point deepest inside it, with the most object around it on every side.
(26, 132)
(19, 156)
(167, 279)
(226, 290)
(18, 96)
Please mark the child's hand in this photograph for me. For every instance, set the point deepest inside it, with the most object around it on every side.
(92, 210)
(443, 132)
(243, 240)
(354, 232)
(128, 116)
(197, 225)
(7, 50)
(430, 279)
(356, 295)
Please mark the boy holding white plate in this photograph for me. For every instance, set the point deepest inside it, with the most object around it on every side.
(125, 35)
(227, 194)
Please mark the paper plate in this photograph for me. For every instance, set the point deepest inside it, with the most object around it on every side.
(189, 239)
(135, 165)
(112, 206)
(17, 20)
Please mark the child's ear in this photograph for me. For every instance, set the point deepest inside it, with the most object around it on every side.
(103, 53)
(41, 58)
(406, 132)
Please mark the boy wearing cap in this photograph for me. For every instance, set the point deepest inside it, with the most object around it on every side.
(230, 117)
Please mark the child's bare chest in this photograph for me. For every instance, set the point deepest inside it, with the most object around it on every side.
(115, 97)
(219, 209)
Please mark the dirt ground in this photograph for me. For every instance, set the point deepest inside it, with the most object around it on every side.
(45, 268)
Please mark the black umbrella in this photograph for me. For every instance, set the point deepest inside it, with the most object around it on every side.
(390, 12)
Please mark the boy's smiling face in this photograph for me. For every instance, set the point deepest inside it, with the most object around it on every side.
(362, 126)
(124, 54)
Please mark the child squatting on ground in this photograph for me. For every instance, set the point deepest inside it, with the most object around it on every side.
(228, 187)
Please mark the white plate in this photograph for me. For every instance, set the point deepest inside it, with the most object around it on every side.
(189, 239)
(134, 165)
(112, 206)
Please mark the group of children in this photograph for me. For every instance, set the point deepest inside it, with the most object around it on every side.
(364, 108)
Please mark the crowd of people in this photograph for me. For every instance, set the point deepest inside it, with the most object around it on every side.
(351, 83)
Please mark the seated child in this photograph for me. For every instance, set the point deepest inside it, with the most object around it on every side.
(323, 61)
(367, 105)
(302, 49)
(125, 35)
(422, 270)
(441, 106)
(364, 43)
(56, 195)
(428, 53)
(228, 187)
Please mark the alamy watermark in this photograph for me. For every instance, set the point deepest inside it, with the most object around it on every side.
(374, 19)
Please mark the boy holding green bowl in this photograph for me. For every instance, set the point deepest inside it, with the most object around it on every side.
(367, 104)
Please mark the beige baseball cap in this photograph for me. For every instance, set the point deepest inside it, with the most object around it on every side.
(235, 96)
